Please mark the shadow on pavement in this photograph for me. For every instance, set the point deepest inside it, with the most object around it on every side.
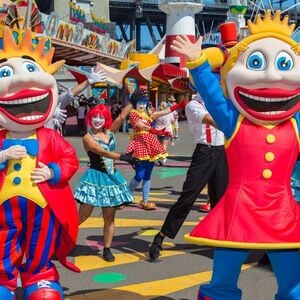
(135, 245)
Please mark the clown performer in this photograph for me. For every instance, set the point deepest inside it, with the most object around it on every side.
(257, 109)
(38, 215)
(64, 99)
(144, 144)
(102, 185)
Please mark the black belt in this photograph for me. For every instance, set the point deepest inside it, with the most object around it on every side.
(210, 146)
(98, 167)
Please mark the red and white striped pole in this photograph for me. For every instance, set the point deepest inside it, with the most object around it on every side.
(180, 21)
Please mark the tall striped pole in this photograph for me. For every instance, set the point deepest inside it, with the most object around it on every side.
(180, 21)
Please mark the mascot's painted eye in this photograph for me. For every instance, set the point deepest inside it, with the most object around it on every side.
(284, 61)
(30, 67)
(6, 71)
(256, 61)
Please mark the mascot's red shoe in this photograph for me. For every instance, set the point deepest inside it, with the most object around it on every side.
(44, 290)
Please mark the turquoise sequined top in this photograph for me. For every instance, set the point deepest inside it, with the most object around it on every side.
(100, 163)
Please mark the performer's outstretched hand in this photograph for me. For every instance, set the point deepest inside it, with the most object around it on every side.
(180, 105)
(96, 77)
(184, 46)
(60, 115)
(130, 159)
(41, 174)
(158, 131)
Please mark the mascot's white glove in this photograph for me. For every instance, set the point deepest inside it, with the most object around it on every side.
(60, 115)
(41, 174)
(13, 152)
(95, 77)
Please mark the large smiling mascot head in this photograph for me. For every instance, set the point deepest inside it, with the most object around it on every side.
(257, 108)
(28, 91)
(261, 74)
(36, 164)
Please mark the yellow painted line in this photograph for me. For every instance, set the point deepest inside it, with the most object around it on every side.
(163, 287)
(92, 262)
(159, 193)
(168, 245)
(152, 289)
(138, 198)
(148, 232)
(98, 222)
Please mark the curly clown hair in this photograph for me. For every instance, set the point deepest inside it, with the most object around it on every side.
(99, 110)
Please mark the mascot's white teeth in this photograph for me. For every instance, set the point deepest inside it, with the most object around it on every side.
(31, 118)
(25, 100)
(272, 112)
(264, 99)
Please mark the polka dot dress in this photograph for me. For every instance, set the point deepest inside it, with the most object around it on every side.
(144, 145)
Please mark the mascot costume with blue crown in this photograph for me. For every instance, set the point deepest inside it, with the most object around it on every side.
(257, 108)
(38, 216)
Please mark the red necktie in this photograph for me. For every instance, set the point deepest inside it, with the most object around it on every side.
(208, 133)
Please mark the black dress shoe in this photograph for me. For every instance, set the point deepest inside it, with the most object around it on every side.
(107, 255)
(155, 247)
(154, 251)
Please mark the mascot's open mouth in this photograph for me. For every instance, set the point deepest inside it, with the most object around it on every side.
(269, 104)
(27, 106)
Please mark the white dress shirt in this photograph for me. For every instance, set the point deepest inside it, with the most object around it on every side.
(164, 122)
(195, 111)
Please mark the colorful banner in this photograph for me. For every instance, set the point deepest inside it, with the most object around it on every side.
(13, 14)
(77, 34)
(99, 24)
(76, 14)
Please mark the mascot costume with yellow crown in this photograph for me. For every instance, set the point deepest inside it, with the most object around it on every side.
(38, 217)
(257, 108)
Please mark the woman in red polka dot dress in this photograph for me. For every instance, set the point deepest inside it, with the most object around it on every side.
(144, 144)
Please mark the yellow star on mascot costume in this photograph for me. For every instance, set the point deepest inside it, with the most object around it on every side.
(38, 216)
(257, 108)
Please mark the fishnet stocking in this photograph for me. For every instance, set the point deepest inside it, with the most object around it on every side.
(85, 210)
(109, 225)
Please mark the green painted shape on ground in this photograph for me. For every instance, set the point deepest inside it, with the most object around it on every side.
(170, 172)
(109, 277)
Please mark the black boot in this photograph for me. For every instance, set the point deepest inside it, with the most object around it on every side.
(107, 255)
(155, 247)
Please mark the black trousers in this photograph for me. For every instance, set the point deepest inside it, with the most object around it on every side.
(208, 166)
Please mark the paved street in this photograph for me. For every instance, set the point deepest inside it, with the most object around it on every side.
(182, 267)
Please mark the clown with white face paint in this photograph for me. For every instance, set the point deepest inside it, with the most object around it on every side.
(102, 185)
(35, 166)
(258, 112)
(97, 122)
(141, 106)
(144, 144)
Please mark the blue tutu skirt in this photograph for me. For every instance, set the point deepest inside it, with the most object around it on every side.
(101, 189)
